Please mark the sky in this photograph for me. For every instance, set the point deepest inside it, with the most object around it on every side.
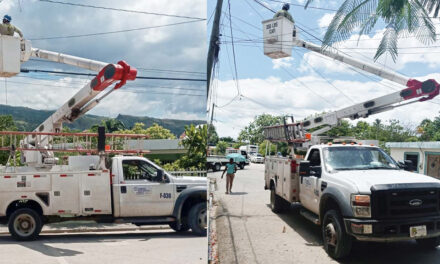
(308, 83)
(177, 51)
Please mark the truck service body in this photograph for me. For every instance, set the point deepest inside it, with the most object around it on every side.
(353, 191)
(125, 189)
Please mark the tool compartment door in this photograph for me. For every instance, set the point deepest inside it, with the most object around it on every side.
(64, 198)
(95, 193)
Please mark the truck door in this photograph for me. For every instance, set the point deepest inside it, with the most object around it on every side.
(141, 193)
(309, 192)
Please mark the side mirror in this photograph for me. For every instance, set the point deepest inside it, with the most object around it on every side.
(316, 171)
(304, 168)
(160, 176)
(408, 165)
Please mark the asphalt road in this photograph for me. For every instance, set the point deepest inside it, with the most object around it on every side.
(152, 246)
(249, 232)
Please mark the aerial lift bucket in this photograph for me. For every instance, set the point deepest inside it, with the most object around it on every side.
(13, 51)
(278, 37)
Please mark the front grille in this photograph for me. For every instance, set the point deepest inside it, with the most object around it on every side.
(395, 202)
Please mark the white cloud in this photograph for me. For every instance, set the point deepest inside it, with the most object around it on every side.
(282, 63)
(325, 20)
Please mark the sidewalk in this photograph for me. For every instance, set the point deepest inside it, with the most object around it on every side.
(88, 226)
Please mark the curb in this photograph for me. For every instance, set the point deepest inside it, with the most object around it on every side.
(88, 230)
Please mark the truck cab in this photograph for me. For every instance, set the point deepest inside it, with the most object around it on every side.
(357, 192)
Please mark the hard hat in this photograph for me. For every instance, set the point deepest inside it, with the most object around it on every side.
(286, 6)
(7, 17)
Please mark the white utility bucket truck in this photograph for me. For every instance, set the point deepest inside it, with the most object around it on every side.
(353, 191)
(125, 189)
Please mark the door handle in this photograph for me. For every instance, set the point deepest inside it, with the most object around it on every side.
(123, 189)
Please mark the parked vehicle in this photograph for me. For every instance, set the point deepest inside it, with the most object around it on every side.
(215, 162)
(251, 150)
(356, 192)
(258, 158)
(127, 189)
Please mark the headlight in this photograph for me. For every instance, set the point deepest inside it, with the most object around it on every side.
(361, 205)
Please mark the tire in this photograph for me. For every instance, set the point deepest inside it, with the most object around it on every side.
(337, 243)
(183, 227)
(241, 166)
(276, 202)
(25, 224)
(197, 219)
(429, 243)
(217, 167)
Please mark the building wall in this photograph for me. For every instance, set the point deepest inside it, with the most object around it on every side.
(399, 155)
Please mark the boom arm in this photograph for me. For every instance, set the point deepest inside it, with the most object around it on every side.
(83, 101)
(278, 31)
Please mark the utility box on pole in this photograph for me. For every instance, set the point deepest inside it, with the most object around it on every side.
(278, 37)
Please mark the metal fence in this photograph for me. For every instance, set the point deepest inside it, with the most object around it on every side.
(197, 173)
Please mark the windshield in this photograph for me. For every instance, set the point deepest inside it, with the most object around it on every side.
(357, 158)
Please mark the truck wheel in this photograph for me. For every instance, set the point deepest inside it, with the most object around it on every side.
(217, 167)
(429, 243)
(25, 224)
(241, 166)
(276, 202)
(183, 227)
(198, 219)
(337, 243)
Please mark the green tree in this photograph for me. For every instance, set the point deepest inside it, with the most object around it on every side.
(111, 125)
(212, 135)
(253, 133)
(221, 147)
(158, 132)
(226, 139)
(195, 142)
(154, 132)
(6, 124)
(401, 17)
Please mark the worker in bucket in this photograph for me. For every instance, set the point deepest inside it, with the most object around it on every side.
(284, 12)
(230, 170)
(7, 28)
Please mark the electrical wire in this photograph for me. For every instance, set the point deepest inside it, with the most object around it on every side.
(114, 32)
(233, 50)
(90, 74)
(121, 9)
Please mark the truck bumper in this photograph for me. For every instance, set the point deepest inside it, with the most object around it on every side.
(391, 230)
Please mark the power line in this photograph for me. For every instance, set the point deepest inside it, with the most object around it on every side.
(233, 49)
(121, 10)
(115, 32)
(90, 74)
(139, 68)
(122, 90)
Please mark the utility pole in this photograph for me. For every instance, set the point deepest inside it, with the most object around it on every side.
(214, 46)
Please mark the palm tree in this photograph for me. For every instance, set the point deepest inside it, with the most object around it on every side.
(402, 18)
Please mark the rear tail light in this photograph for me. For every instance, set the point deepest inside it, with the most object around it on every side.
(293, 166)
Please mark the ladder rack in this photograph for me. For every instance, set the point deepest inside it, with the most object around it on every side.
(72, 142)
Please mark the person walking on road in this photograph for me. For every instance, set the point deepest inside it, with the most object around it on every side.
(8, 29)
(230, 170)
